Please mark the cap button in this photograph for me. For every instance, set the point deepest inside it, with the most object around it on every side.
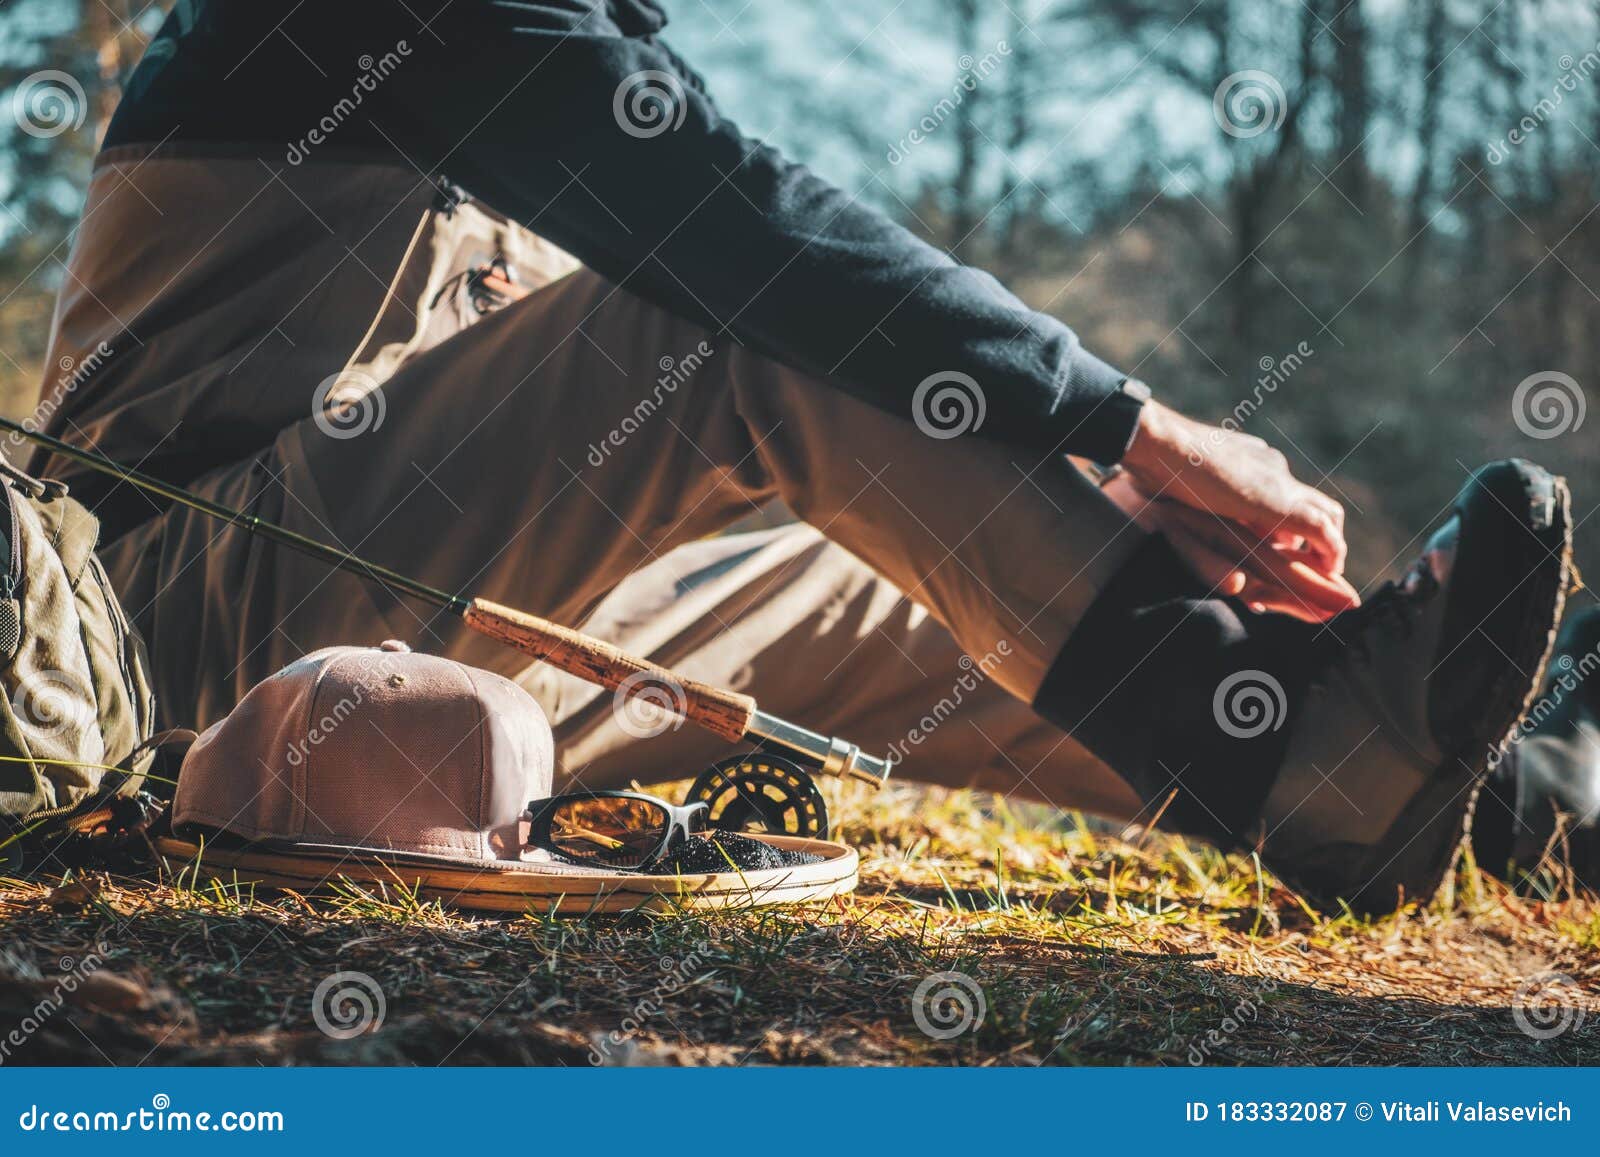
(393, 645)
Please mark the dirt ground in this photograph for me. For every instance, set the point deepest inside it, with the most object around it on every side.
(981, 934)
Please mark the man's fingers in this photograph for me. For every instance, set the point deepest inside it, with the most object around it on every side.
(1333, 506)
(1275, 600)
(1281, 578)
(1276, 577)
(1240, 478)
(1303, 593)
(1279, 508)
(1260, 596)
(1213, 568)
(1323, 534)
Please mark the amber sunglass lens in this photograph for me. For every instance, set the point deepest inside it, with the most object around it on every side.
(620, 833)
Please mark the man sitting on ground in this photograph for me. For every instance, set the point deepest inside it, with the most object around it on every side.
(495, 294)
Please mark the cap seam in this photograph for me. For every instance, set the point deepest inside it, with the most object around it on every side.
(302, 774)
(483, 762)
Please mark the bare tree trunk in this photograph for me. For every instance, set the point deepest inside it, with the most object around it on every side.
(1353, 84)
(1255, 178)
(965, 214)
(1019, 122)
(1311, 21)
(1551, 219)
(1431, 62)
(1244, 206)
(1485, 275)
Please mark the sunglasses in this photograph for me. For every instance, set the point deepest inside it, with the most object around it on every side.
(614, 829)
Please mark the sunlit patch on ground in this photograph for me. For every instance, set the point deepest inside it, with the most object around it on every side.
(981, 934)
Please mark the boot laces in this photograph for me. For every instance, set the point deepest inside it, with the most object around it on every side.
(1395, 604)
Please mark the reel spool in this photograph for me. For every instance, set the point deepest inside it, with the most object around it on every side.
(758, 792)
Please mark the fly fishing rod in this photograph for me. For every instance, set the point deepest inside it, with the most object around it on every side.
(725, 713)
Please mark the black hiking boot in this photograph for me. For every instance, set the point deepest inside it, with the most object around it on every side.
(1415, 696)
(1348, 753)
(1540, 811)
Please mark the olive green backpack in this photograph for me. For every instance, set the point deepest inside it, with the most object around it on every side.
(76, 710)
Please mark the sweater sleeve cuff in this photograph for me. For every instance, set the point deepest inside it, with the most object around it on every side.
(1099, 419)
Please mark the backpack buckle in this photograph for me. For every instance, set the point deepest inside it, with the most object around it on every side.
(39, 488)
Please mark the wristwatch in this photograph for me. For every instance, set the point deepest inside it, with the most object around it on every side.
(1102, 472)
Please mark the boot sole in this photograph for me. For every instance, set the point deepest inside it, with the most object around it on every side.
(1421, 846)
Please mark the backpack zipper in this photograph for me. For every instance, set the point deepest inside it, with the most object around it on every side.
(10, 578)
(13, 549)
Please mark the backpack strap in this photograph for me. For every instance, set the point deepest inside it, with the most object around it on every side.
(183, 737)
(42, 488)
(165, 749)
(108, 829)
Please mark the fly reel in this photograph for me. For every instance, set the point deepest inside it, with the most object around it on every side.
(757, 792)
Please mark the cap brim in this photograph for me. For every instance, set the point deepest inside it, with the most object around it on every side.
(398, 856)
(508, 886)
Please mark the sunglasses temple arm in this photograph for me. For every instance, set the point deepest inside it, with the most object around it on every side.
(733, 716)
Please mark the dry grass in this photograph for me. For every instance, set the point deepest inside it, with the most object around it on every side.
(1087, 950)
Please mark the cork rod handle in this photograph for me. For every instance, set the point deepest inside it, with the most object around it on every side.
(724, 713)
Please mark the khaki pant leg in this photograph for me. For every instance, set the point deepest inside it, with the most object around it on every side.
(818, 637)
(568, 440)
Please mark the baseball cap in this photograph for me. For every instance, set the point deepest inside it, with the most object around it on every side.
(375, 751)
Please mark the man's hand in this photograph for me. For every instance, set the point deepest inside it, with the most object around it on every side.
(1234, 511)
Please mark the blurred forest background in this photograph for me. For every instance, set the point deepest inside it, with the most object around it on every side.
(1362, 229)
